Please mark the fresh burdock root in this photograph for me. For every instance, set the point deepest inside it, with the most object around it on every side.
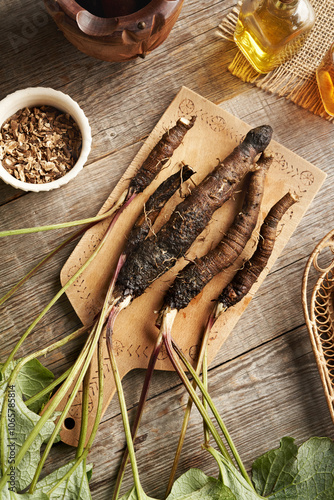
(154, 205)
(258, 138)
(242, 282)
(159, 155)
(158, 253)
(193, 278)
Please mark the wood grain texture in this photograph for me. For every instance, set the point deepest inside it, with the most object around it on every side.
(264, 379)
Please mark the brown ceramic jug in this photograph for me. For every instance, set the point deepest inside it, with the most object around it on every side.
(115, 31)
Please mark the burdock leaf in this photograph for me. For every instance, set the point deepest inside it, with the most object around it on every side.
(32, 379)
(269, 469)
(194, 484)
(289, 472)
(75, 487)
(19, 423)
(230, 476)
(7, 494)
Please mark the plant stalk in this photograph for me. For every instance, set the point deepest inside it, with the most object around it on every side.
(86, 358)
(214, 411)
(139, 412)
(96, 333)
(84, 415)
(83, 434)
(199, 365)
(67, 285)
(125, 419)
(46, 415)
(62, 225)
(95, 425)
(47, 389)
(40, 264)
(179, 370)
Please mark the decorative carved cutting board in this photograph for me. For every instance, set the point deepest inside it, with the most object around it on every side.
(213, 136)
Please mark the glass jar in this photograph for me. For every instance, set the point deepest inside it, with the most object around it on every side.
(269, 32)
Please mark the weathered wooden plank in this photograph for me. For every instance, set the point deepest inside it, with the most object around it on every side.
(264, 379)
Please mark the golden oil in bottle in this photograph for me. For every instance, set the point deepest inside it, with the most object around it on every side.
(269, 32)
(325, 79)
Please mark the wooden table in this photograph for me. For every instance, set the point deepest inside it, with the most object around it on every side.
(264, 380)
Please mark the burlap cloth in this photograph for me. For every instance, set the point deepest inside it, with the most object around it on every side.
(296, 78)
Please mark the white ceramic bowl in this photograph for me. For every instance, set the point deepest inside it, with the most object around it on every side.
(38, 96)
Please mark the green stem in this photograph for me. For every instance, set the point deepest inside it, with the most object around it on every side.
(139, 412)
(95, 425)
(215, 413)
(84, 416)
(179, 370)
(75, 369)
(223, 465)
(49, 410)
(40, 264)
(208, 327)
(64, 375)
(200, 362)
(205, 404)
(89, 220)
(125, 419)
(51, 303)
(96, 333)
(86, 358)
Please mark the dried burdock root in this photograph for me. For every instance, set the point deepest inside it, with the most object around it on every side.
(245, 278)
(159, 155)
(159, 253)
(193, 278)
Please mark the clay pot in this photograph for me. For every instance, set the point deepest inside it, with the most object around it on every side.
(116, 38)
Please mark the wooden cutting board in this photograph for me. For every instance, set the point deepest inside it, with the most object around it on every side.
(213, 136)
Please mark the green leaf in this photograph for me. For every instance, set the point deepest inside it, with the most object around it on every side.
(33, 378)
(268, 470)
(7, 494)
(75, 487)
(306, 473)
(194, 484)
(89, 472)
(230, 476)
(19, 422)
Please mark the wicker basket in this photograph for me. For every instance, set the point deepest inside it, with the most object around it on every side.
(319, 313)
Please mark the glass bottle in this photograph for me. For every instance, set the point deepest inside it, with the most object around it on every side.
(325, 79)
(269, 32)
